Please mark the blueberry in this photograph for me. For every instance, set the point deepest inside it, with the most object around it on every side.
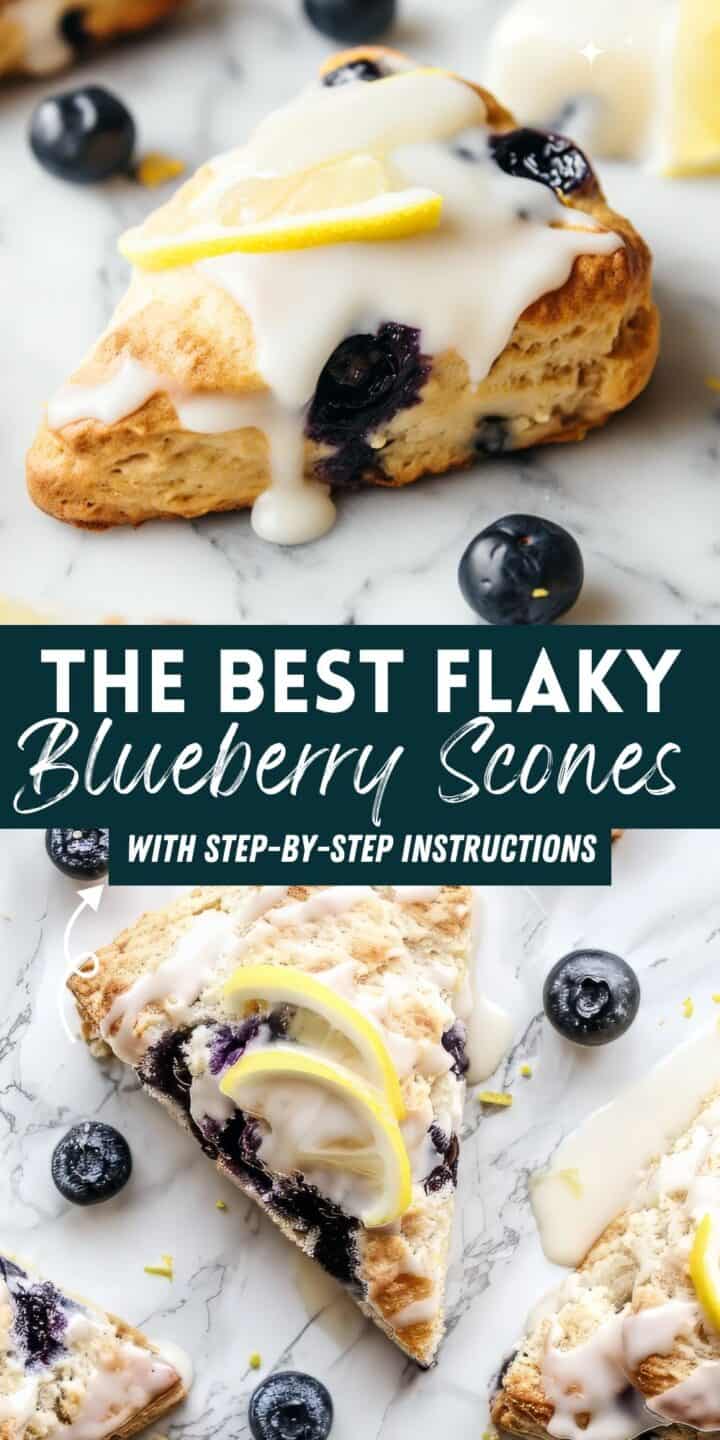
(521, 571)
(591, 997)
(83, 135)
(353, 21)
(91, 1163)
(544, 156)
(82, 854)
(39, 1321)
(290, 1406)
(367, 70)
(72, 28)
(492, 436)
(367, 379)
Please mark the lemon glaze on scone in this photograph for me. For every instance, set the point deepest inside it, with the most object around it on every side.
(267, 376)
(635, 1328)
(39, 36)
(395, 957)
(69, 1371)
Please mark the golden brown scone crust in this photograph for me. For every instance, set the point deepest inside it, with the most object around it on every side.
(439, 928)
(637, 1264)
(101, 20)
(575, 357)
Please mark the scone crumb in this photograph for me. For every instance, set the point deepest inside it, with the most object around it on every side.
(494, 1097)
(165, 1270)
(688, 1008)
(526, 1071)
(156, 169)
(255, 1360)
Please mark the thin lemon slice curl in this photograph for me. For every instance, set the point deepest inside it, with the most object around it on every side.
(695, 118)
(704, 1265)
(324, 1022)
(390, 216)
(383, 1161)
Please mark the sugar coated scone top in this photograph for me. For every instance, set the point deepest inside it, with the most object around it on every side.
(70, 1370)
(387, 280)
(365, 1111)
(632, 1338)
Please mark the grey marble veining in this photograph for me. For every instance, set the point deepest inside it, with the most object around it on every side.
(239, 1287)
(641, 496)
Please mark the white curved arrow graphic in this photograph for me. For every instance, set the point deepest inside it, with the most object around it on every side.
(90, 898)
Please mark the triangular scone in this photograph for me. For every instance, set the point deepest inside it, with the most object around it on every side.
(47, 35)
(526, 317)
(69, 1371)
(626, 1343)
(398, 955)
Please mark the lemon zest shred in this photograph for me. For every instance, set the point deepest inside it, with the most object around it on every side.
(155, 169)
(220, 1205)
(255, 1360)
(688, 1008)
(526, 1071)
(494, 1097)
(165, 1270)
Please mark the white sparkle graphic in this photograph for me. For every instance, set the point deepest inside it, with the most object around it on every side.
(591, 53)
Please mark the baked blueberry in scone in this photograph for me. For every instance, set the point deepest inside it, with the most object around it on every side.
(389, 279)
(69, 1371)
(311, 1040)
(632, 1337)
(40, 36)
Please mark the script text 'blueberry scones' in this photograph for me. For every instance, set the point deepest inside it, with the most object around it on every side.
(40, 36)
(632, 1338)
(310, 1040)
(69, 1371)
(389, 280)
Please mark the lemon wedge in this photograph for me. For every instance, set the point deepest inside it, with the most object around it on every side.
(695, 138)
(389, 216)
(358, 1137)
(704, 1265)
(324, 1021)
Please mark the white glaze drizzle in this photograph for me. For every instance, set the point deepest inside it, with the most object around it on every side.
(503, 243)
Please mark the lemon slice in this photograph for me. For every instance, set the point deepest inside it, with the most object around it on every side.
(704, 1267)
(360, 1137)
(695, 138)
(324, 1022)
(392, 216)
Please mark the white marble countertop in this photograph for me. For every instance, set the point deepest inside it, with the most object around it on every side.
(641, 497)
(238, 1286)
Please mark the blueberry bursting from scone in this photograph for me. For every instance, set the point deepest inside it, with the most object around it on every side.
(39, 1316)
(329, 1234)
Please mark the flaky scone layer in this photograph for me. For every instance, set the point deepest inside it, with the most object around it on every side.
(575, 357)
(397, 1271)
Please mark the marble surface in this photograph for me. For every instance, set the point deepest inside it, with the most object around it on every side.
(238, 1286)
(641, 497)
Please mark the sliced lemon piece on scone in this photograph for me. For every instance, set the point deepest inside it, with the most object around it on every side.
(322, 1021)
(385, 217)
(695, 113)
(704, 1265)
(324, 1122)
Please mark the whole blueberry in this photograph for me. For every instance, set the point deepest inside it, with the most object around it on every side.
(83, 135)
(353, 21)
(366, 70)
(290, 1406)
(521, 570)
(82, 854)
(591, 997)
(91, 1163)
(551, 159)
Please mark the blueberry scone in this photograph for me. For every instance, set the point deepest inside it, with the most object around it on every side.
(388, 280)
(632, 1339)
(310, 1040)
(69, 1371)
(39, 36)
